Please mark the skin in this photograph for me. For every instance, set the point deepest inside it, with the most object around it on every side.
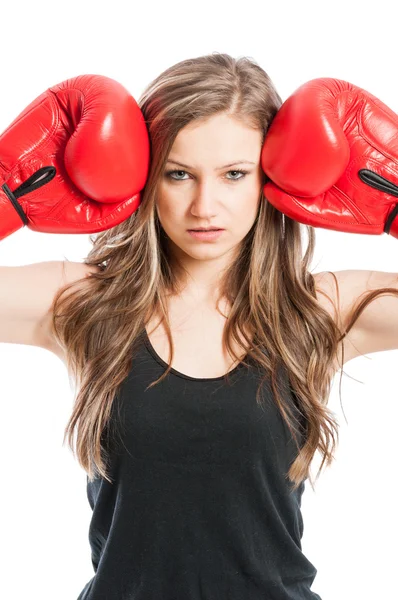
(204, 196)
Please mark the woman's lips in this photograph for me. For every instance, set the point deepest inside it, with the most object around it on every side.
(206, 235)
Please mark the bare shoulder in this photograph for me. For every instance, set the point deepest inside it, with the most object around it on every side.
(27, 294)
(72, 273)
(77, 270)
(336, 292)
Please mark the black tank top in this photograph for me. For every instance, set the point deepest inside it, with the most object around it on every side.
(200, 507)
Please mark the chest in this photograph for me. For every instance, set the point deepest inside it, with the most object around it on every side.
(197, 339)
(198, 332)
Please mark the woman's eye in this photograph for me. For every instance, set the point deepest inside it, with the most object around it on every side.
(170, 175)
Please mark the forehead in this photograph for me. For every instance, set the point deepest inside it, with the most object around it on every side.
(216, 140)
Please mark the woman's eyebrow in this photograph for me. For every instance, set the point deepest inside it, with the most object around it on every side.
(237, 162)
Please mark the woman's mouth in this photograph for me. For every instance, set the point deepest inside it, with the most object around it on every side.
(209, 234)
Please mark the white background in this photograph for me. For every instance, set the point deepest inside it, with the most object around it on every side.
(350, 521)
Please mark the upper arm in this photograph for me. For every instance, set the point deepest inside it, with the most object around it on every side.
(376, 328)
(26, 297)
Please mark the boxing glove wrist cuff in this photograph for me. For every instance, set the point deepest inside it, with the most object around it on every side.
(378, 182)
(12, 215)
(15, 203)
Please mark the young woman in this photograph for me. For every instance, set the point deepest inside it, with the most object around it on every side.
(203, 361)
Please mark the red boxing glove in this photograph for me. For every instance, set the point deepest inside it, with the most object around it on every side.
(75, 160)
(331, 153)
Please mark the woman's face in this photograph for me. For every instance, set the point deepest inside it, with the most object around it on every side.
(205, 193)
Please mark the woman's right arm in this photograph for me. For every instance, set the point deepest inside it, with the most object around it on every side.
(91, 145)
(26, 297)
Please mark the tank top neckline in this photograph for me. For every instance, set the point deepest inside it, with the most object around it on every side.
(158, 359)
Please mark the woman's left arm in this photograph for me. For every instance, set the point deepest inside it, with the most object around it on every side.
(331, 156)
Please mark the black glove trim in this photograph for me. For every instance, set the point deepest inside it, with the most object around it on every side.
(378, 182)
(34, 182)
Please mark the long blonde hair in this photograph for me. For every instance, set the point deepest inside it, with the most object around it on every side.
(269, 288)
